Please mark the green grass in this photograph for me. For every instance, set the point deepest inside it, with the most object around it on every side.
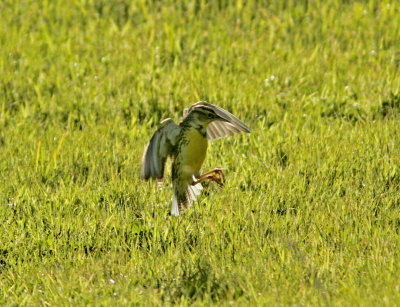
(310, 214)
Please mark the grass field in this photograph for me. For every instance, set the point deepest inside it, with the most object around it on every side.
(310, 214)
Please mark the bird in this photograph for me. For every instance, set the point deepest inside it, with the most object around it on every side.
(186, 143)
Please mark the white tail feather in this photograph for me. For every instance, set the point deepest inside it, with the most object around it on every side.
(175, 206)
(192, 191)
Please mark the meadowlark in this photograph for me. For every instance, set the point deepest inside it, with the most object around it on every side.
(186, 143)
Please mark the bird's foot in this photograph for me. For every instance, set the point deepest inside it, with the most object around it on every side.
(215, 175)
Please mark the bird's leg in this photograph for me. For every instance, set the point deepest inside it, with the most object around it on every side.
(219, 176)
(215, 175)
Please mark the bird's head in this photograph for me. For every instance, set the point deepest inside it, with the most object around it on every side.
(203, 113)
(204, 116)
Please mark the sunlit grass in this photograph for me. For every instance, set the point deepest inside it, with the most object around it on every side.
(310, 212)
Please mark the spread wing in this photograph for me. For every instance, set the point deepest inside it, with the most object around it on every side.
(219, 129)
(228, 126)
(161, 146)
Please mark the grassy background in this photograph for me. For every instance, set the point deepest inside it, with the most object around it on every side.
(310, 213)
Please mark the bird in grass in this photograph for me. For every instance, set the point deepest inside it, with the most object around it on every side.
(187, 143)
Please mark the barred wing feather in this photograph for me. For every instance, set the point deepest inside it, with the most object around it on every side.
(226, 127)
(219, 129)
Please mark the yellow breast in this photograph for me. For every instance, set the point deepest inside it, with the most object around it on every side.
(194, 152)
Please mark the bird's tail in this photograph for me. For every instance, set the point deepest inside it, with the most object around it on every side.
(184, 198)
